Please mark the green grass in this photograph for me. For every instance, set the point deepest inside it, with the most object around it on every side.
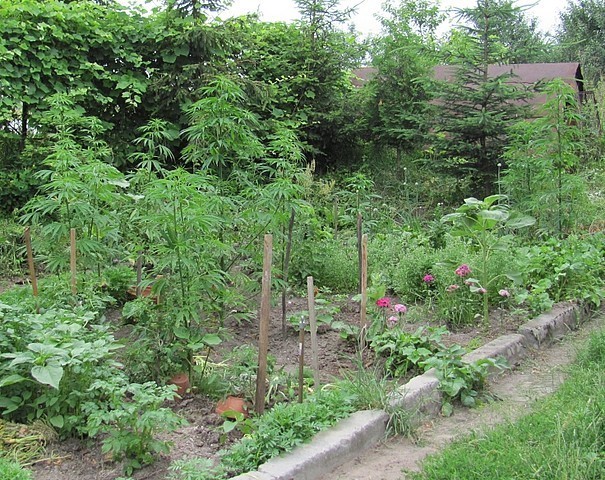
(12, 471)
(562, 439)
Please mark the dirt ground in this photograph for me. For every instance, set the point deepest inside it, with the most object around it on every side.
(538, 376)
(82, 460)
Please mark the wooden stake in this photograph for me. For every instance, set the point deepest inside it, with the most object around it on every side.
(139, 273)
(301, 360)
(359, 235)
(313, 327)
(364, 289)
(30, 262)
(286, 267)
(264, 317)
(72, 259)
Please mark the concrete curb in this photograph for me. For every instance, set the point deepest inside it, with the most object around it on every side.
(421, 395)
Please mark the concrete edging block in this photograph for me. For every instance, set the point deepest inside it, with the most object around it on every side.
(552, 325)
(329, 448)
(420, 395)
(511, 347)
(253, 476)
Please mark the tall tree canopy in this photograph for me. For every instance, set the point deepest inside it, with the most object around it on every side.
(581, 36)
(404, 56)
(476, 107)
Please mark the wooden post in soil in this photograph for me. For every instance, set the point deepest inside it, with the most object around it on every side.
(286, 267)
(139, 274)
(359, 235)
(30, 264)
(301, 359)
(364, 291)
(313, 327)
(264, 317)
(72, 259)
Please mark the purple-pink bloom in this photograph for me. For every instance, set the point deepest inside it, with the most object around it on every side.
(400, 308)
(452, 288)
(392, 321)
(481, 290)
(383, 302)
(428, 278)
(504, 293)
(463, 270)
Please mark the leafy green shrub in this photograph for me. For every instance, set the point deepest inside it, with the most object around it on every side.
(559, 270)
(117, 280)
(333, 263)
(13, 471)
(11, 242)
(18, 181)
(194, 469)
(403, 351)
(131, 415)
(49, 362)
(459, 380)
(54, 292)
(402, 258)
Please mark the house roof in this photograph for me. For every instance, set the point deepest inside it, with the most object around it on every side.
(527, 74)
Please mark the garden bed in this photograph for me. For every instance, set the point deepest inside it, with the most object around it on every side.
(203, 437)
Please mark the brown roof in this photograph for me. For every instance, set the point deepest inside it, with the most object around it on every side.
(527, 74)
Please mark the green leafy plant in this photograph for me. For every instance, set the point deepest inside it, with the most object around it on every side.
(49, 362)
(80, 190)
(404, 351)
(484, 222)
(194, 469)
(459, 380)
(284, 427)
(131, 415)
(13, 471)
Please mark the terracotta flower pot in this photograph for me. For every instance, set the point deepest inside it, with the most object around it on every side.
(232, 404)
(181, 380)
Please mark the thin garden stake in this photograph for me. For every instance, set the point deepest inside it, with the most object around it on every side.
(364, 290)
(313, 327)
(359, 234)
(264, 317)
(139, 273)
(30, 264)
(286, 266)
(301, 359)
(72, 259)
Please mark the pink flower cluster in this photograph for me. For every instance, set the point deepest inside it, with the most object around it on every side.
(399, 308)
(428, 278)
(463, 270)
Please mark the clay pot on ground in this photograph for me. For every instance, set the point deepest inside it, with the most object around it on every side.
(229, 405)
(181, 380)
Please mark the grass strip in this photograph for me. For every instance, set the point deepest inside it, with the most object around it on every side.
(563, 438)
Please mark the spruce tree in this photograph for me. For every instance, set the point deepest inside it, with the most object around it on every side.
(475, 107)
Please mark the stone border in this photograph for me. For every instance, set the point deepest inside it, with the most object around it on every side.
(362, 430)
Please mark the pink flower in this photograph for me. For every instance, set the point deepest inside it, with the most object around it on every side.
(392, 321)
(400, 308)
(504, 293)
(481, 290)
(463, 270)
(428, 278)
(452, 288)
(383, 302)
